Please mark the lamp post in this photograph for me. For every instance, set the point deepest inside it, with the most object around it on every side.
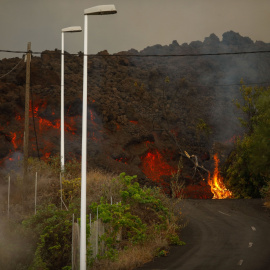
(62, 151)
(97, 10)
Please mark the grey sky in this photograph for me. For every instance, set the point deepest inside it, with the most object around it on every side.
(138, 23)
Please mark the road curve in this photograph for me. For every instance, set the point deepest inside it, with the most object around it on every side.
(220, 235)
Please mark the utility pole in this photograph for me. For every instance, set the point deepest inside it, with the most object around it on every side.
(26, 116)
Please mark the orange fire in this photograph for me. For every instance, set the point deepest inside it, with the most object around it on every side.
(217, 185)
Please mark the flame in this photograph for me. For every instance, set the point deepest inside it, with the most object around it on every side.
(133, 122)
(216, 183)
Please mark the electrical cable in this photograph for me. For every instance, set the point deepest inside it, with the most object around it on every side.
(12, 68)
(142, 55)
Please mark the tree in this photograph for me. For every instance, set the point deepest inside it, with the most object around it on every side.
(260, 138)
(248, 105)
(247, 168)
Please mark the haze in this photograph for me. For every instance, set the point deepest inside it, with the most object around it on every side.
(138, 23)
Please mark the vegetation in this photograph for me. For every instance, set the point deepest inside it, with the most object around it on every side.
(139, 222)
(247, 170)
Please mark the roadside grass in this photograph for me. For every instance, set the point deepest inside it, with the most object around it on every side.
(135, 255)
(266, 195)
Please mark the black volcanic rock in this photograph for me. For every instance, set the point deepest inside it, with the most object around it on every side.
(137, 106)
(235, 39)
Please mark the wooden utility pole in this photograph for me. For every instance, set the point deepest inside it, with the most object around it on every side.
(26, 115)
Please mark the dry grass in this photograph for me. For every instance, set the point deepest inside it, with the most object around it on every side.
(102, 184)
(266, 195)
(134, 256)
(22, 195)
(267, 204)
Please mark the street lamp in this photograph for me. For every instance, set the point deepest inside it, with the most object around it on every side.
(62, 152)
(97, 10)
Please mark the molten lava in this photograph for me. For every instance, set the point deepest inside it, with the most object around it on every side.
(46, 122)
(216, 183)
(155, 167)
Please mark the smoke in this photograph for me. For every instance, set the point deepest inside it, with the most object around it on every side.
(225, 74)
(16, 247)
(13, 162)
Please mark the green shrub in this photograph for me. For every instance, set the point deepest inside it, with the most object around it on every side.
(53, 229)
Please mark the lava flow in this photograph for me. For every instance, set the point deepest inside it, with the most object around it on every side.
(217, 185)
(40, 112)
(155, 167)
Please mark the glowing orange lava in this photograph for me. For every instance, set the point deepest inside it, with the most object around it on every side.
(122, 159)
(15, 140)
(42, 125)
(155, 167)
(216, 183)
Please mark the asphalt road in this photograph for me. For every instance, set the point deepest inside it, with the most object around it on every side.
(221, 235)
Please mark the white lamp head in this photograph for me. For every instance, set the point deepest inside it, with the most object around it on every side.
(72, 29)
(101, 10)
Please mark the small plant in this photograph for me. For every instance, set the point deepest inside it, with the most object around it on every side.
(174, 240)
(162, 253)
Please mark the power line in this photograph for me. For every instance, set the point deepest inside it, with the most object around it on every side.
(11, 69)
(142, 55)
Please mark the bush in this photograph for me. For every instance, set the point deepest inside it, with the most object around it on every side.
(52, 228)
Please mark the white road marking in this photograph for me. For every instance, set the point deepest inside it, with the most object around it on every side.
(224, 213)
(240, 262)
(253, 228)
(250, 244)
